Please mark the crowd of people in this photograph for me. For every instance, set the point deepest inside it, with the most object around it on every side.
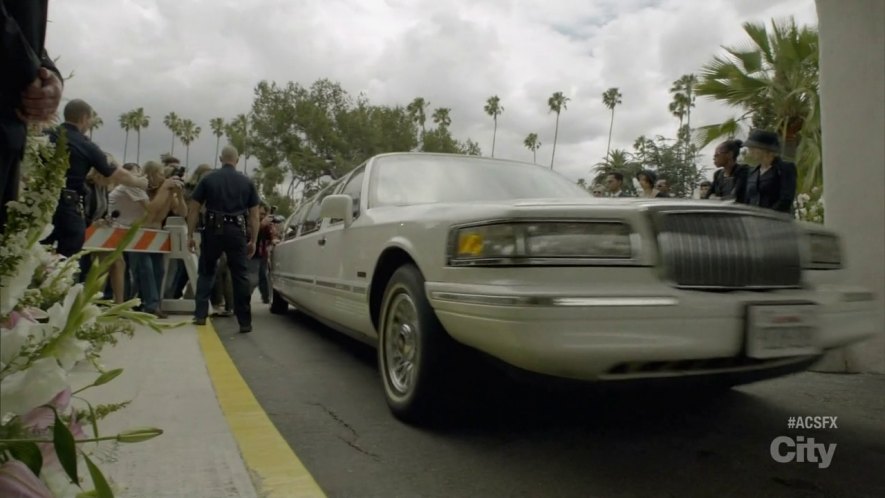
(770, 183)
(100, 191)
(103, 193)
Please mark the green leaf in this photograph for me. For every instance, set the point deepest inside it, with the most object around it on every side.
(139, 435)
(87, 494)
(107, 376)
(29, 454)
(65, 448)
(102, 488)
(94, 419)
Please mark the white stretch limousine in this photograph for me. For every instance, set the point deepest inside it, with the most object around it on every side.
(421, 254)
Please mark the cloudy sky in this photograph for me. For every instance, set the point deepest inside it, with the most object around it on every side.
(203, 58)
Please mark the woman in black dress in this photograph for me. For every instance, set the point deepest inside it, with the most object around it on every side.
(730, 179)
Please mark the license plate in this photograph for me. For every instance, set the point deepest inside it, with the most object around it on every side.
(780, 330)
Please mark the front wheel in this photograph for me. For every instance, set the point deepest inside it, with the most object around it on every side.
(413, 347)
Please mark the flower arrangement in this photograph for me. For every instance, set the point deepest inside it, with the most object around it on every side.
(810, 206)
(48, 324)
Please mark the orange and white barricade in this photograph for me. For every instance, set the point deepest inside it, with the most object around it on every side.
(109, 238)
(172, 243)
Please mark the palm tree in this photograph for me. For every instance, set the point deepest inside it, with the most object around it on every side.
(416, 112)
(217, 125)
(532, 143)
(173, 122)
(683, 91)
(189, 133)
(139, 122)
(775, 83)
(557, 103)
(611, 98)
(441, 117)
(95, 124)
(677, 108)
(620, 161)
(494, 108)
(126, 123)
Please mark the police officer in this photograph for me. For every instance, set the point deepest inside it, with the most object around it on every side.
(230, 226)
(69, 220)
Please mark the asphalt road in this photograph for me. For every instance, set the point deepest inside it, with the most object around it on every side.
(508, 439)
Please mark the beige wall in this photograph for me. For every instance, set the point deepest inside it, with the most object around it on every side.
(852, 85)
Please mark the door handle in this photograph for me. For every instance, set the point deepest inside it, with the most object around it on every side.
(322, 241)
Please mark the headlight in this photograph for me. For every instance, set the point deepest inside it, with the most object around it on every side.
(824, 251)
(542, 243)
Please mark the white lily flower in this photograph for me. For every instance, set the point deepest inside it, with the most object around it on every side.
(60, 313)
(91, 312)
(70, 351)
(13, 340)
(25, 390)
(14, 288)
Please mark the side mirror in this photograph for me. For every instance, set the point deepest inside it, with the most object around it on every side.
(338, 207)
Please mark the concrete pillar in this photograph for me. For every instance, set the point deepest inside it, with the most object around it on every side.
(852, 86)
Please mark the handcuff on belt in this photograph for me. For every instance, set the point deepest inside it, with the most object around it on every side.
(75, 198)
(218, 220)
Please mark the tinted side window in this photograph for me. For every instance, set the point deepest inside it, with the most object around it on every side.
(294, 222)
(354, 189)
(312, 220)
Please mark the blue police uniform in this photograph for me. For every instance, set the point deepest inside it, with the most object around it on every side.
(69, 221)
(228, 195)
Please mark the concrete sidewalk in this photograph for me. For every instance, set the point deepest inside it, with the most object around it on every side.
(166, 377)
(217, 441)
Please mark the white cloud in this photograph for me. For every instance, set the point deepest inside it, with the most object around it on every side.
(203, 58)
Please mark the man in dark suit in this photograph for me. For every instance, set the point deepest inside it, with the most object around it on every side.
(614, 183)
(30, 88)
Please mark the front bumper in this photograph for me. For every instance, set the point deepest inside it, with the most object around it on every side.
(645, 332)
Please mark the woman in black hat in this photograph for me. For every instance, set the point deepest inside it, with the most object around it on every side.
(771, 184)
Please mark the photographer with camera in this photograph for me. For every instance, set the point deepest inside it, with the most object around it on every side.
(151, 206)
(172, 166)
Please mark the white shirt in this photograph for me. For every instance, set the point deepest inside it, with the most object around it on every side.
(128, 202)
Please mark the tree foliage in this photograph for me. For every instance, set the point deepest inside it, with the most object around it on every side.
(774, 83)
(532, 143)
(674, 162)
(317, 131)
(618, 161)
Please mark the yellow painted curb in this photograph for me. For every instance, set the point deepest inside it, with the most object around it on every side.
(272, 463)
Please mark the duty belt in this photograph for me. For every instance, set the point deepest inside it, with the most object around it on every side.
(74, 199)
(236, 219)
(216, 221)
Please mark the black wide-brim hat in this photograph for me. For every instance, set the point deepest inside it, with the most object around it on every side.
(763, 139)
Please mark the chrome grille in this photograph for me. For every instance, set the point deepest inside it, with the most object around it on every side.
(728, 250)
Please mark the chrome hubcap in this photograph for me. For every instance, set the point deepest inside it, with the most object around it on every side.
(401, 343)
